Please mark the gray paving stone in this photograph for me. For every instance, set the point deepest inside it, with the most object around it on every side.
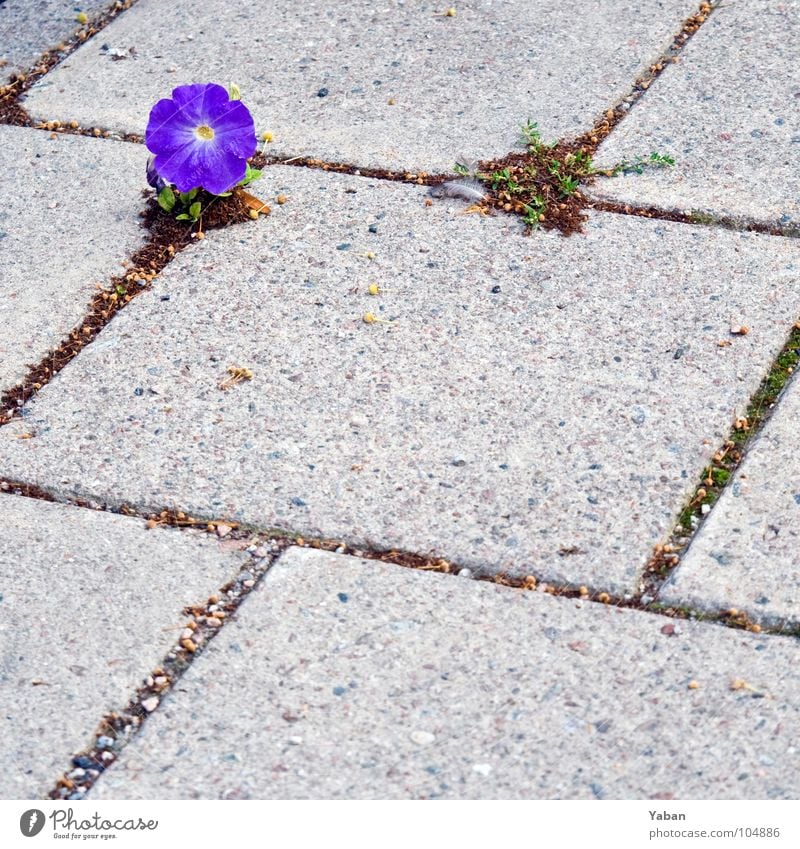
(29, 28)
(69, 218)
(556, 425)
(729, 112)
(89, 603)
(747, 554)
(349, 679)
(462, 86)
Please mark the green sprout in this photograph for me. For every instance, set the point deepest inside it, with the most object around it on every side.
(638, 165)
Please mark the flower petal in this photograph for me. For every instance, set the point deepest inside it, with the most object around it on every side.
(167, 128)
(235, 130)
(200, 101)
(220, 170)
(202, 164)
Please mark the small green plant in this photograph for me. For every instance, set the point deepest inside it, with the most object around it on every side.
(533, 209)
(567, 185)
(503, 179)
(638, 165)
(532, 137)
(183, 203)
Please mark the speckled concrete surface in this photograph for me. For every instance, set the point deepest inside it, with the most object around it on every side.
(69, 217)
(29, 28)
(729, 112)
(89, 605)
(534, 403)
(747, 554)
(348, 679)
(396, 85)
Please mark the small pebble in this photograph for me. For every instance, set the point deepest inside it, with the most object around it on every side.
(482, 769)
(150, 704)
(295, 741)
(104, 742)
(323, 92)
(465, 573)
(705, 509)
(223, 530)
(422, 738)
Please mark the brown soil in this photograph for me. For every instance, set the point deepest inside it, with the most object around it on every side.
(533, 172)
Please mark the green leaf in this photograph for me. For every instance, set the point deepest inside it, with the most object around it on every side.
(250, 174)
(233, 92)
(166, 199)
(194, 210)
(188, 197)
(183, 217)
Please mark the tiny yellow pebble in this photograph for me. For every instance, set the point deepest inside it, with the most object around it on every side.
(369, 318)
(281, 199)
(450, 12)
(374, 289)
(82, 18)
(693, 685)
(391, 101)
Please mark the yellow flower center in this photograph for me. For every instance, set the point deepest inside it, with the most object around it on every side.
(204, 132)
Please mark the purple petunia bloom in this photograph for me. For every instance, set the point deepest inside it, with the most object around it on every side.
(201, 138)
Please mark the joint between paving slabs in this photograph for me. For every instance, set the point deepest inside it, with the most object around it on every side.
(167, 237)
(565, 212)
(421, 562)
(11, 111)
(568, 212)
(204, 621)
(719, 473)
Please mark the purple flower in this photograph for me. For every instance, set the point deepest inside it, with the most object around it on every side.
(201, 138)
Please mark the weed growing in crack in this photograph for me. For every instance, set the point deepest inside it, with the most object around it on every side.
(638, 165)
(726, 460)
(543, 184)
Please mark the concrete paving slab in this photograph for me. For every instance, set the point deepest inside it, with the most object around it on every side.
(89, 603)
(533, 403)
(69, 218)
(349, 679)
(395, 85)
(729, 112)
(747, 554)
(29, 28)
